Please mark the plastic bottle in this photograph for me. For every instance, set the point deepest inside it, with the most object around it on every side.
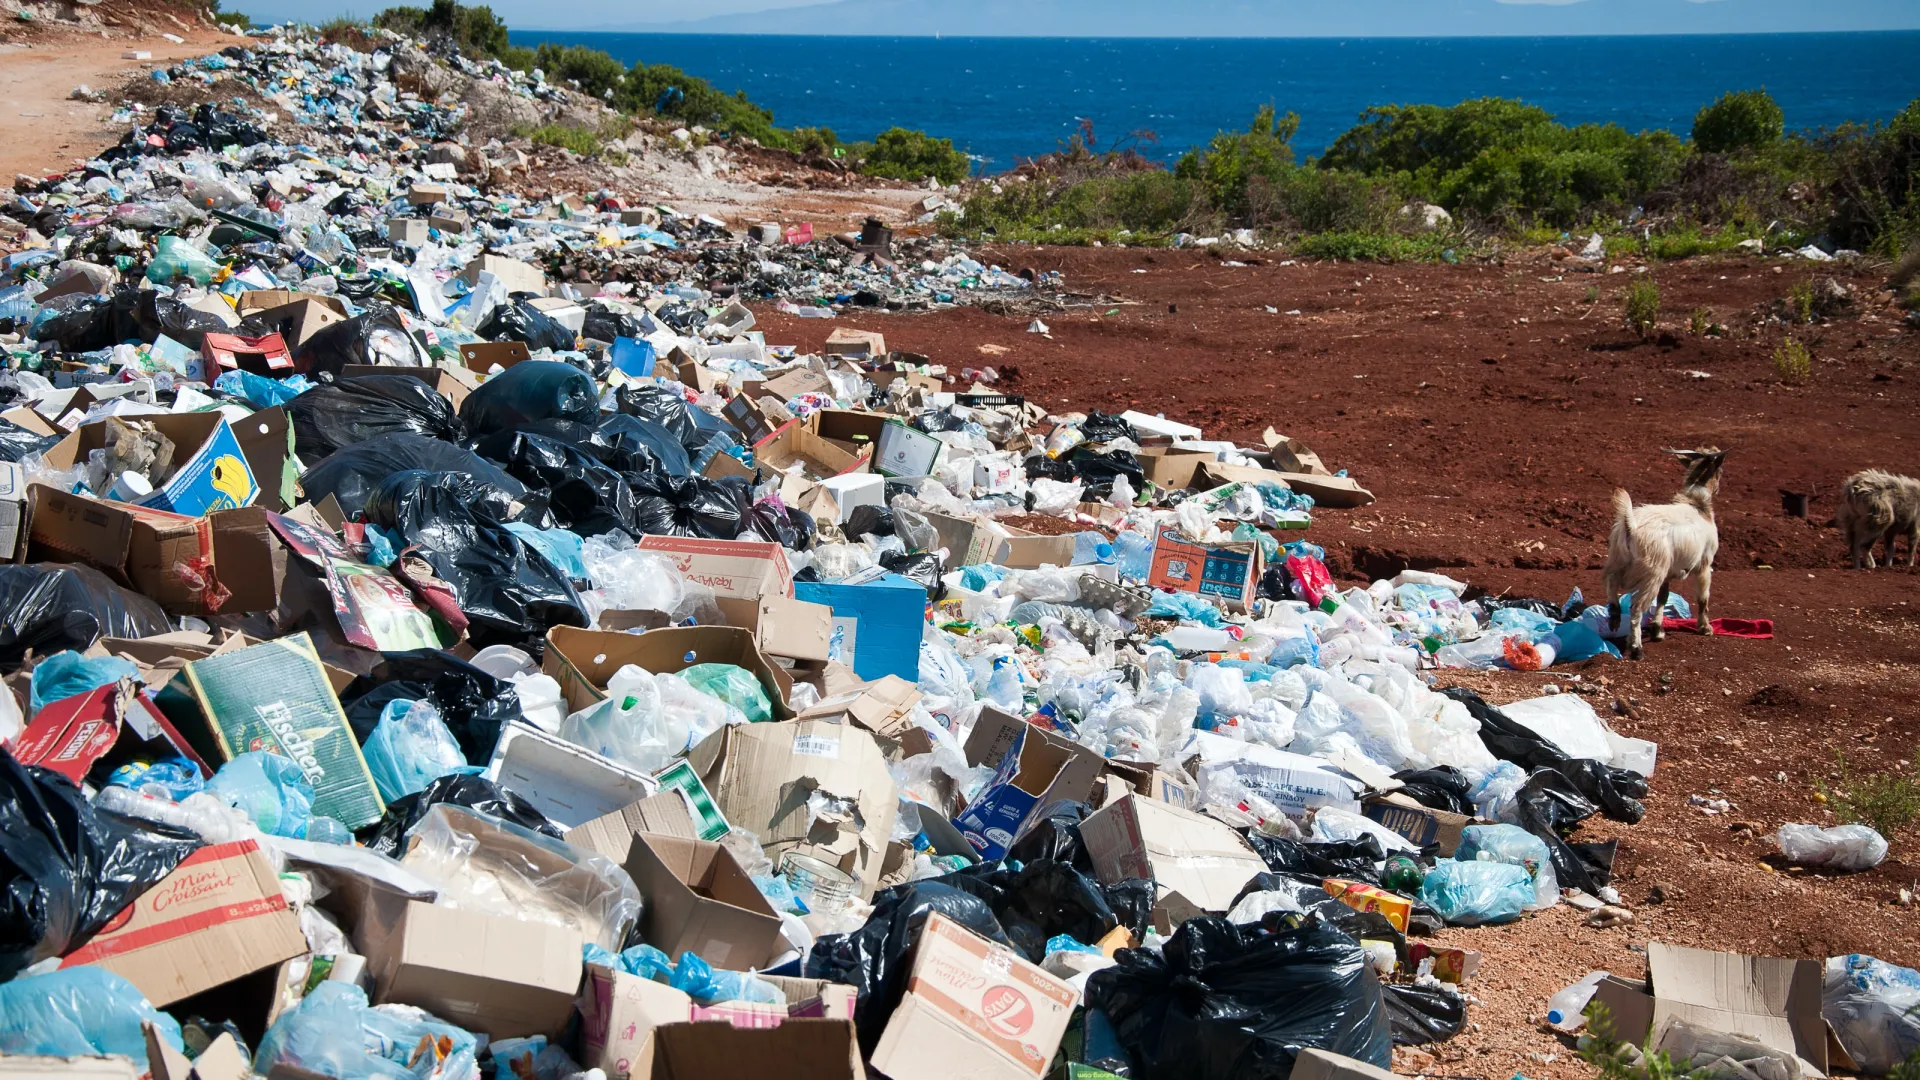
(1566, 1010)
(1198, 639)
(1090, 548)
(1134, 554)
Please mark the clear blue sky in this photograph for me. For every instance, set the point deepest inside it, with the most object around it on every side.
(1158, 18)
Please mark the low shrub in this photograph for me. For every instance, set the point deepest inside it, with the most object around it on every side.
(1792, 362)
(1643, 305)
(1742, 120)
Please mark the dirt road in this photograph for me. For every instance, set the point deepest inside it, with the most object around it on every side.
(42, 130)
(1492, 410)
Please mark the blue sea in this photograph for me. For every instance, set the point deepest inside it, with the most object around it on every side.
(1005, 99)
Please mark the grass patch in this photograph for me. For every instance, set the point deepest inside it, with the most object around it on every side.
(1792, 362)
(1800, 302)
(1373, 247)
(347, 31)
(583, 141)
(1643, 305)
(1700, 322)
(1887, 801)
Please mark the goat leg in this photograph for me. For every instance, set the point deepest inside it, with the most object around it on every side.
(1660, 613)
(1703, 581)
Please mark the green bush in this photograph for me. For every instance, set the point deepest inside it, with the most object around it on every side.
(1886, 801)
(900, 154)
(1741, 120)
(592, 70)
(1234, 163)
(1643, 305)
(583, 141)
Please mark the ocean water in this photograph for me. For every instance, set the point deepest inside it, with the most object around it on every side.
(1004, 99)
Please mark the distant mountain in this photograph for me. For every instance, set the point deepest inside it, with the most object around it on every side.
(1303, 18)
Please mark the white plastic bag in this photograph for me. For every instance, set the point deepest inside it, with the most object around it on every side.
(631, 726)
(1846, 848)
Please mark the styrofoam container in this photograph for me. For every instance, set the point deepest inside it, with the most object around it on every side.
(570, 784)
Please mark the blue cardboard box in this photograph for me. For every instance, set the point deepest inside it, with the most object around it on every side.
(1035, 769)
(209, 470)
(877, 625)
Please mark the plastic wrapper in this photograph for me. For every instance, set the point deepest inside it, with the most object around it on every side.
(352, 473)
(734, 685)
(585, 495)
(17, 444)
(472, 704)
(521, 321)
(708, 985)
(1873, 1007)
(80, 1011)
(1847, 848)
(352, 411)
(269, 788)
(530, 391)
(476, 793)
(175, 257)
(1472, 893)
(67, 673)
(410, 748)
(1514, 846)
(630, 579)
(1419, 1015)
(631, 726)
(333, 1032)
(874, 959)
(492, 866)
(65, 868)
(46, 607)
(509, 592)
(375, 336)
(1224, 1002)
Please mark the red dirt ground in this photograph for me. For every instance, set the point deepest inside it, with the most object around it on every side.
(1492, 409)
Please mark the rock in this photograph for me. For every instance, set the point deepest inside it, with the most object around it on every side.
(1662, 891)
(1831, 297)
(1427, 215)
(1752, 247)
(1609, 916)
(447, 153)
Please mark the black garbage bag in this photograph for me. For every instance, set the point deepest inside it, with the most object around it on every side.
(869, 520)
(694, 428)
(1223, 1002)
(690, 506)
(521, 321)
(510, 593)
(1443, 788)
(1054, 834)
(872, 959)
(389, 835)
(156, 313)
(1106, 427)
(922, 567)
(1550, 807)
(82, 322)
(1616, 791)
(65, 868)
(474, 704)
(375, 336)
(1046, 898)
(605, 325)
(1132, 901)
(223, 129)
(47, 607)
(1098, 469)
(1312, 898)
(351, 411)
(1522, 603)
(1042, 467)
(528, 391)
(583, 494)
(788, 526)
(642, 446)
(1353, 860)
(19, 444)
(1420, 1015)
(351, 473)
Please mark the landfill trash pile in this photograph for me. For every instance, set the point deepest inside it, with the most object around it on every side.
(442, 666)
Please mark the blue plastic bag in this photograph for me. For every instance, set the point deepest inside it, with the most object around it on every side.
(1519, 620)
(1471, 893)
(77, 1011)
(1576, 641)
(260, 391)
(1187, 606)
(563, 548)
(332, 1032)
(65, 674)
(1514, 846)
(706, 984)
(268, 788)
(174, 778)
(410, 748)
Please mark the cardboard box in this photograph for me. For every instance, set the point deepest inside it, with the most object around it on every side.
(449, 220)
(882, 707)
(855, 431)
(427, 194)
(567, 782)
(484, 356)
(501, 977)
(968, 543)
(223, 562)
(746, 569)
(877, 625)
(13, 510)
(1150, 780)
(1032, 768)
(92, 733)
(1199, 857)
(1028, 552)
(818, 458)
(583, 660)
(217, 917)
(1228, 571)
(634, 1028)
(276, 696)
(264, 355)
(268, 299)
(266, 441)
(856, 489)
(1773, 1001)
(517, 276)
(700, 901)
(1423, 825)
(1290, 455)
(680, 779)
(905, 451)
(209, 470)
(408, 232)
(761, 774)
(1312, 1063)
(1360, 896)
(664, 814)
(1172, 468)
(859, 344)
(782, 626)
(300, 320)
(796, 382)
(973, 1008)
(748, 419)
(220, 1060)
